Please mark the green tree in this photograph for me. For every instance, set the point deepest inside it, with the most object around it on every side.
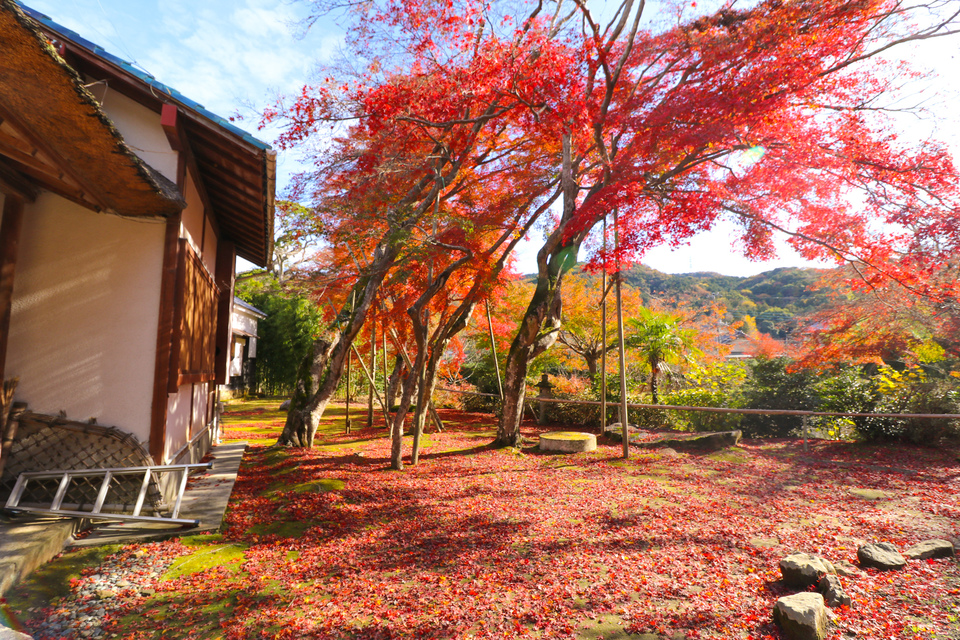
(285, 336)
(660, 340)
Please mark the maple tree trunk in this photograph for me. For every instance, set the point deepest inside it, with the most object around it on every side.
(540, 326)
(592, 366)
(365, 293)
(295, 429)
(394, 381)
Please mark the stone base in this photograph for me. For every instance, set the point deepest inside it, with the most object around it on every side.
(568, 442)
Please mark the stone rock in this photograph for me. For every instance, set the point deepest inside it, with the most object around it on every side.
(702, 441)
(285, 405)
(568, 441)
(832, 590)
(930, 549)
(711, 441)
(882, 555)
(802, 616)
(615, 430)
(801, 570)
(6, 633)
(847, 569)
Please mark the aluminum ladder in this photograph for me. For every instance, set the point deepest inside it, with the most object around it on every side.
(67, 476)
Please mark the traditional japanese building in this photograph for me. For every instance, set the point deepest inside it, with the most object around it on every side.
(125, 205)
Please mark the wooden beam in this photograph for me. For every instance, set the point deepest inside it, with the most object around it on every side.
(12, 223)
(168, 120)
(161, 374)
(226, 261)
(178, 306)
(13, 183)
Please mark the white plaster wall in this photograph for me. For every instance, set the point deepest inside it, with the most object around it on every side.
(178, 420)
(141, 130)
(86, 298)
(199, 408)
(209, 255)
(191, 224)
(243, 322)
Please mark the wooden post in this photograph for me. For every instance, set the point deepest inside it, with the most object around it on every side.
(386, 376)
(603, 338)
(373, 369)
(806, 425)
(493, 348)
(624, 415)
(10, 226)
(347, 424)
(161, 375)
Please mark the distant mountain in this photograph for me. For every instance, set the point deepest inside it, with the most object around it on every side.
(774, 297)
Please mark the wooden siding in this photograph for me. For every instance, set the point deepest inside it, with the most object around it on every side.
(196, 357)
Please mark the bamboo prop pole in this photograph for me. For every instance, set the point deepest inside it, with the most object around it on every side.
(407, 361)
(386, 376)
(346, 428)
(603, 339)
(353, 347)
(624, 412)
(366, 373)
(493, 348)
(373, 367)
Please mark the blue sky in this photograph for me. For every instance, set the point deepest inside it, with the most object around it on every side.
(229, 54)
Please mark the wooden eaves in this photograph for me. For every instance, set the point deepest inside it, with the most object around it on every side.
(55, 136)
(236, 172)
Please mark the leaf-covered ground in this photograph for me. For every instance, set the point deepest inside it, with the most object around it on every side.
(483, 543)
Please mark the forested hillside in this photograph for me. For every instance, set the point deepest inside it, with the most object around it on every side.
(774, 297)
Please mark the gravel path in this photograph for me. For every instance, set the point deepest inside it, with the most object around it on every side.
(102, 592)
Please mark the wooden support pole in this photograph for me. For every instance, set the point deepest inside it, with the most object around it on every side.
(10, 228)
(373, 368)
(603, 337)
(624, 414)
(347, 424)
(493, 348)
(386, 376)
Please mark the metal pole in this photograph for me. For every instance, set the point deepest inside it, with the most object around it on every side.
(493, 348)
(623, 360)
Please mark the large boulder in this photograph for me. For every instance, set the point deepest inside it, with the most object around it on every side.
(802, 616)
(6, 633)
(882, 555)
(710, 441)
(930, 549)
(802, 570)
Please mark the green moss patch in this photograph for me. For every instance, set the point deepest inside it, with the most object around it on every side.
(294, 529)
(871, 494)
(230, 556)
(319, 486)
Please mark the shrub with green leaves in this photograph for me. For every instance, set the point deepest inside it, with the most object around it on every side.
(911, 390)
